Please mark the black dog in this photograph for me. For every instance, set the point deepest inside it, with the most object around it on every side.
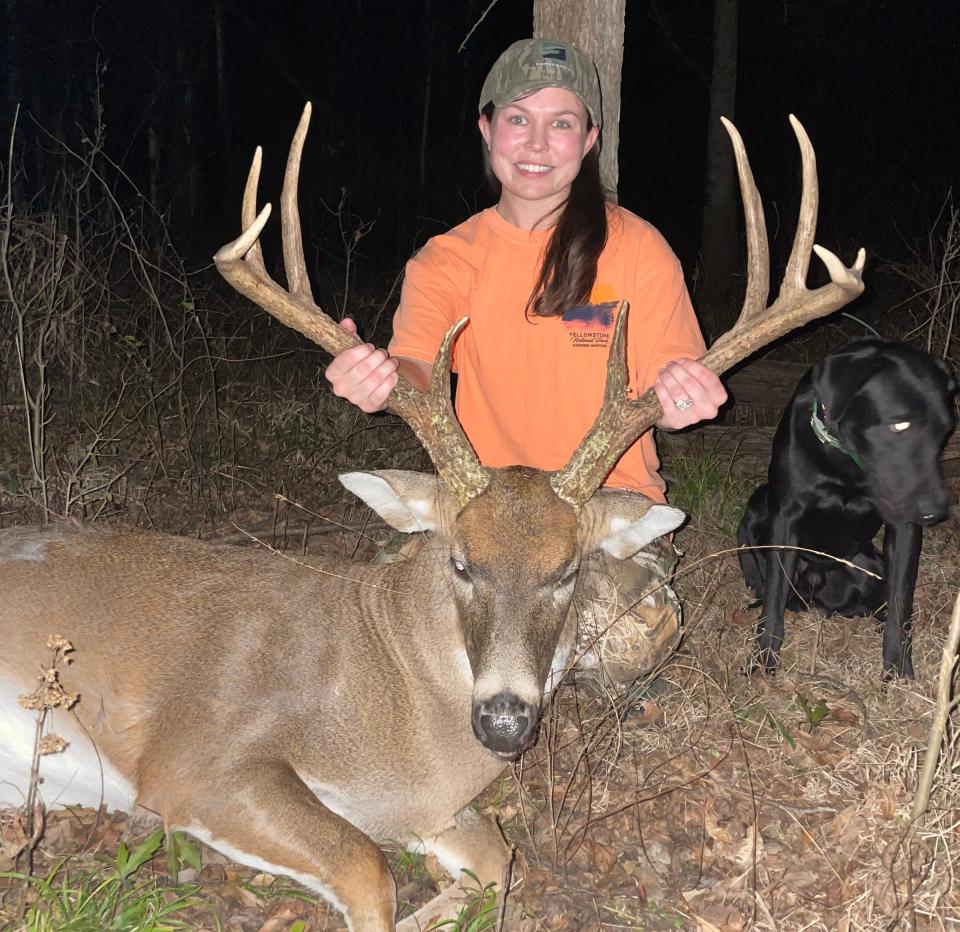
(858, 447)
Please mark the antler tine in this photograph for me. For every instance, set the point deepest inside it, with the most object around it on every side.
(619, 422)
(795, 277)
(240, 262)
(248, 211)
(622, 420)
(294, 262)
(755, 224)
(796, 304)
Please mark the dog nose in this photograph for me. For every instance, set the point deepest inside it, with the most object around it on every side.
(931, 509)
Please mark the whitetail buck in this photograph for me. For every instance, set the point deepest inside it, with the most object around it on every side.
(288, 714)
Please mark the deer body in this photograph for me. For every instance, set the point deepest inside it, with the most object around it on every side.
(287, 713)
(179, 639)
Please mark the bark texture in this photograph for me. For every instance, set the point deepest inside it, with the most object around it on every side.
(596, 26)
(719, 244)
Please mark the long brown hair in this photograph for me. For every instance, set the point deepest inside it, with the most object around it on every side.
(569, 268)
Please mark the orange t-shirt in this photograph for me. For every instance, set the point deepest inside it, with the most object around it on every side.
(528, 389)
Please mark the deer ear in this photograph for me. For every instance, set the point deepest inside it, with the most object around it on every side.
(622, 522)
(627, 537)
(408, 501)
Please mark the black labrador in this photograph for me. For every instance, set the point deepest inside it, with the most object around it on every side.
(857, 447)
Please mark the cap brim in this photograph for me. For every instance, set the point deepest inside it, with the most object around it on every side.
(535, 86)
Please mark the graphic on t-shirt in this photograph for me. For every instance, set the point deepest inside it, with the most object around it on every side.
(590, 324)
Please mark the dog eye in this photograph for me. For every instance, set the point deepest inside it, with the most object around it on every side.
(900, 426)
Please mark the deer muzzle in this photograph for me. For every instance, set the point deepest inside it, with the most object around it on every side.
(505, 724)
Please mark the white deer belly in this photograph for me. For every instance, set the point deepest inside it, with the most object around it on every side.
(74, 776)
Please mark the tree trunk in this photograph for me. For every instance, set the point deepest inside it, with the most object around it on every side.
(428, 39)
(596, 26)
(719, 243)
(227, 194)
(12, 58)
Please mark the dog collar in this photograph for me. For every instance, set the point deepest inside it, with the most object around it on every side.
(824, 435)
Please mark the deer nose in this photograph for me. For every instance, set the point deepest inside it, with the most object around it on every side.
(505, 724)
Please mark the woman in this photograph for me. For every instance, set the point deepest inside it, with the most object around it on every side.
(540, 276)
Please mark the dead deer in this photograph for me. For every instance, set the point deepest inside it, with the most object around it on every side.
(291, 714)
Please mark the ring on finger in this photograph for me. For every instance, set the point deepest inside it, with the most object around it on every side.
(683, 403)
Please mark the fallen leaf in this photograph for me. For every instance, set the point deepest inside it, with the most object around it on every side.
(281, 919)
(703, 925)
(711, 821)
(749, 851)
(652, 714)
(603, 857)
(844, 715)
(885, 798)
(818, 741)
(248, 897)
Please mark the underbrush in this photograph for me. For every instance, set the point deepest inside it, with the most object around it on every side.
(709, 482)
(133, 389)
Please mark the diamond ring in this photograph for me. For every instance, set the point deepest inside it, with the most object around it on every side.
(684, 403)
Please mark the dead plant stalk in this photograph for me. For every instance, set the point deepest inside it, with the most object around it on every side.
(945, 705)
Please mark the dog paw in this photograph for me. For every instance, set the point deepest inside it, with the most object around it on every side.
(902, 669)
(762, 661)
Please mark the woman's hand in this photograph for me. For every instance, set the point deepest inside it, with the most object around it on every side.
(363, 374)
(689, 392)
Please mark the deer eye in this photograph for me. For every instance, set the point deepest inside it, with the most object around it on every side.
(459, 568)
(900, 427)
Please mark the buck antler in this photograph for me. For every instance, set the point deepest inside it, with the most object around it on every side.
(622, 420)
(430, 414)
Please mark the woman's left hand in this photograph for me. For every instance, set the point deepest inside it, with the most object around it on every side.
(689, 392)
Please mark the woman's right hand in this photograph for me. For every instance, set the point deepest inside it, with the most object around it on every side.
(364, 374)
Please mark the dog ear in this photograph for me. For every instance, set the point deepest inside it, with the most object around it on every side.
(944, 367)
(837, 378)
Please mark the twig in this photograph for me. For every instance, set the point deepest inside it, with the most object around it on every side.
(945, 704)
(473, 28)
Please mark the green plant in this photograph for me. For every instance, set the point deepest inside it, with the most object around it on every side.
(758, 713)
(479, 914)
(407, 864)
(782, 730)
(278, 888)
(181, 851)
(704, 481)
(814, 714)
(115, 894)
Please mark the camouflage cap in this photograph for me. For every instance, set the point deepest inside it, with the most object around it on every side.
(532, 64)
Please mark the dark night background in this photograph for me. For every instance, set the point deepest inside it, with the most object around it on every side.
(185, 91)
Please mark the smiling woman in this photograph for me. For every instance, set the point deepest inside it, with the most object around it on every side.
(541, 275)
(535, 146)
